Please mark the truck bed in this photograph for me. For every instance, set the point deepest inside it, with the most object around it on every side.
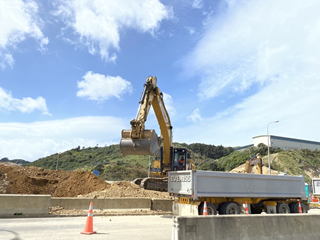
(196, 184)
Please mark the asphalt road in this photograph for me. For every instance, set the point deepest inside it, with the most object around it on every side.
(111, 228)
(115, 227)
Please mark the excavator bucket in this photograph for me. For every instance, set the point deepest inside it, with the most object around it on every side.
(148, 145)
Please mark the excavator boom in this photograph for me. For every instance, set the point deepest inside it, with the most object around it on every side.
(138, 140)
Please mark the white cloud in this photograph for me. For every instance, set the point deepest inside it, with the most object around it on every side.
(98, 23)
(271, 48)
(18, 21)
(195, 116)
(24, 105)
(190, 30)
(241, 49)
(99, 87)
(197, 4)
(31, 141)
(6, 60)
(295, 106)
(169, 105)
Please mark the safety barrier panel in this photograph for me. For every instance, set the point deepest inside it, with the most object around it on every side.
(248, 227)
(24, 204)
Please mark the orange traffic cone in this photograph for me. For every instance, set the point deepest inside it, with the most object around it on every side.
(246, 209)
(300, 210)
(313, 199)
(89, 224)
(205, 209)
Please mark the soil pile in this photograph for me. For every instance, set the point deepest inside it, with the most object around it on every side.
(33, 180)
(15, 179)
(126, 189)
(265, 170)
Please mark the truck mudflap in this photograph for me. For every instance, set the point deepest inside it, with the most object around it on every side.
(181, 209)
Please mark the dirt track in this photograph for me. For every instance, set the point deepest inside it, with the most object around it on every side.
(15, 179)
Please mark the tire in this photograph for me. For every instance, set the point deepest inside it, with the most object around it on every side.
(304, 208)
(221, 206)
(230, 208)
(283, 208)
(212, 210)
(294, 207)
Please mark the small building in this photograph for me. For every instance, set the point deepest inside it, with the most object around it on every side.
(286, 143)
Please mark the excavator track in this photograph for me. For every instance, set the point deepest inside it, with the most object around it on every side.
(137, 181)
(155, 184)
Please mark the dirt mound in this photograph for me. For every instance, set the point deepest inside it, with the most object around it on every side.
(265, 170)
(126, 189)
(15, 179)
(33, 180)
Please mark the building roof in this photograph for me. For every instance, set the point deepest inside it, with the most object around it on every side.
(244, 147)
(289, 139)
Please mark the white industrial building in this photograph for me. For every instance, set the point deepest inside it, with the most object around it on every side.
(286, 143)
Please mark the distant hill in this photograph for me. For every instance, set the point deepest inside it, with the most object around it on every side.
(16, 161)
(112, 166)
(293, 162)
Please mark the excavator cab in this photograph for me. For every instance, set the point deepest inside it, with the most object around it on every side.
(180, 159)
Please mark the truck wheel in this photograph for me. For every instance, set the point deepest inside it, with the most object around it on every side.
(220, 208)
(304, 208)
(230, 208)
(294, 207)
(212, 210)
(283, 208)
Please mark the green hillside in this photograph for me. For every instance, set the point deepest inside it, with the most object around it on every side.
(293, 162)
(16, 161)
(112, 166)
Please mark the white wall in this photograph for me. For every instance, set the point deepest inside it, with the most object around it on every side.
(260, 139)
(285, 143)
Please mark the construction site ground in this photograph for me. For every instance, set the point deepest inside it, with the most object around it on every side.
(15, 179)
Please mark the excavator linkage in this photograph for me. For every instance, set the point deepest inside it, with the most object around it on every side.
(147, 145)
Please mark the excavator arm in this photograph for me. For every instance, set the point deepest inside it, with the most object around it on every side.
(138, 140)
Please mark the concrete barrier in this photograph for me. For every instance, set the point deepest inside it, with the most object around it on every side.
(252, 227)
(161, 204)
(23, 204)
(102, 203)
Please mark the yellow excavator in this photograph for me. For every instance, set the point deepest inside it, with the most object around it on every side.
(140, 141)
(254, 161)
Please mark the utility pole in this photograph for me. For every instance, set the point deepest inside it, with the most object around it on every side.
(57, 161)
(268, 145)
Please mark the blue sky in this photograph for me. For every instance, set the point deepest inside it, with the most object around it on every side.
(72, 71)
